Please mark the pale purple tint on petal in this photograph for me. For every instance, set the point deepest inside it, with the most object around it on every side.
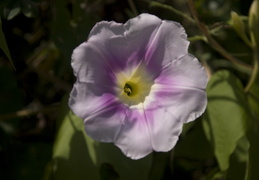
(176, 97)
(169, 43)
(163, 125)
(134, 139)
(145, 38)
(103, 115)
(119, 42)
(167, 109)
(86, 99)
(91, 66)
(114, 47)
(185, 72)
(107, 124)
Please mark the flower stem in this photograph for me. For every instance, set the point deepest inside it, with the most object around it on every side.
(215, 44)
(170, 8)
(254, 72)
(197, 38)
(26, 112)
(133, 7)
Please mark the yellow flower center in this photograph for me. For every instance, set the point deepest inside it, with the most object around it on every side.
(134, 85)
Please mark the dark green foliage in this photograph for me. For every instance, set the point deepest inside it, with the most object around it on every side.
(40, 138)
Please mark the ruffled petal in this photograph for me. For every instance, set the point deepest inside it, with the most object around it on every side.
(168, 110)
(185, 72)
(114, 47)
(109, 39)
(134, 139)
(124, 45)
(175, 92)
(178, 96)
(91, 66)
(168, 44)
(102, 114)
(164, 126)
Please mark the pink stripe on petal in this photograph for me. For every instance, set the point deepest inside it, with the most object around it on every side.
(186, 71)
(86, 98)
(103, 115)
(167, 43)
(167, 111)
(164, 127)
(134, 139)
(169, 84)
(106, 125)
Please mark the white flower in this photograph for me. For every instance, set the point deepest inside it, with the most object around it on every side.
(136, 84)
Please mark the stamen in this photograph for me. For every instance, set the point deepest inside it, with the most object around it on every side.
(128, 89)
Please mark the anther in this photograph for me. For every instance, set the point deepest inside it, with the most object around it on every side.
(127, 89)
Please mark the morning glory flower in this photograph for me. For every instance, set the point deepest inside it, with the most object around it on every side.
(137, 84)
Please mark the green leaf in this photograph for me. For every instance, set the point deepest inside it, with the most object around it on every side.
(193, 152)
(161, 162)
(239, 160)
(77, 156)
(253, 133)
(3, 44)
(107, 172)
(71, 154)
(253, 99)
(226, 115)
(194, 145)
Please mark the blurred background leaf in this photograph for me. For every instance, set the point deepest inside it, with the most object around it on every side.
(29, 8)
(3, 44)
(12, 9)
(227, 115)
(194, 154)
(46, 141)
(253, 133)
(238, 161)
(77, 156)
(71, 23)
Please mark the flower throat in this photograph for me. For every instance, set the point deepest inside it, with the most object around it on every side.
(130, 89)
